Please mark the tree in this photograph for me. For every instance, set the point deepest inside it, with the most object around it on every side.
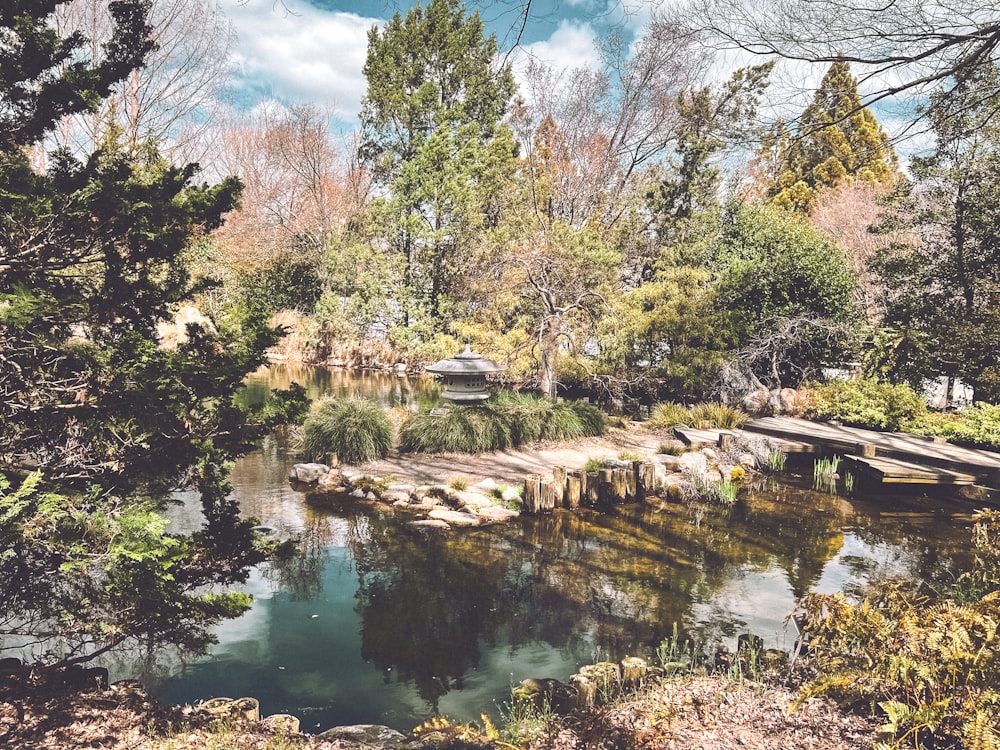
(773, 268)
(902, 47)
(943, 289)
(168, 99)
(432, 68)
(837, 140)
(46, 77)
(432, 134)
(101, 421)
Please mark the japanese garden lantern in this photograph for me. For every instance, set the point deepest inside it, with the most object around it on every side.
(464, 375)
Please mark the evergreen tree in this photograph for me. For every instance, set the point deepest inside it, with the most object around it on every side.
(837, 139)
(432, 134)
(942, 313)
(100, 418)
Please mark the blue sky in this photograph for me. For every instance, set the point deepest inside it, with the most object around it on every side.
(315, 52)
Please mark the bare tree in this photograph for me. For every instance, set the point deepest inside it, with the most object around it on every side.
(897, 47)
(168, 101)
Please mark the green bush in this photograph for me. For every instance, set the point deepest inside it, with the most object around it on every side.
(719, 416)
(356, 429)
(932, 666)
(505, 421)
(977, 425)
(867, 403)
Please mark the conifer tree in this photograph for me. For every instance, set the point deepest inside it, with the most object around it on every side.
(837, 139)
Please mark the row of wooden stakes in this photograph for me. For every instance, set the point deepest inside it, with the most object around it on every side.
(629, 481)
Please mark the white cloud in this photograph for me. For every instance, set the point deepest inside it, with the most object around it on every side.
(307, 56)
(571, 46)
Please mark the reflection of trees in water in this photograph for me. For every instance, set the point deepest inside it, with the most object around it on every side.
(387, 388)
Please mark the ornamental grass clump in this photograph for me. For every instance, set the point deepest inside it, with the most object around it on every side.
(356, 429)
(505, 421)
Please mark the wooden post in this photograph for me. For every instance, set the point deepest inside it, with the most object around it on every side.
(638, 488)
(865, 450)
(592, 493)
(558, 485)
(619, 480)
(727, 441)
(532, 492)
(546, 497)
(648, 479)
(605, 492)
(574, 489)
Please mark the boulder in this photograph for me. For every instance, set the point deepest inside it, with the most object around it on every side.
(757, 403)
(370, 735)
(485, 485)
(668, 462)
(430, 523)
(472, 500)
(308, 473)
(395, 496)
(284, 723)
(496, 514)
(511, 494)
(453, 517)
(694, 461)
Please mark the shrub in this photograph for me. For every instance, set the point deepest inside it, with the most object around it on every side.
(719, 416)
(668, 415)
(356, 429)
(867, 403)
(977, 425)
(505, 421)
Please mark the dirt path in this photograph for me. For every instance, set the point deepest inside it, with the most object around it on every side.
(512, 466)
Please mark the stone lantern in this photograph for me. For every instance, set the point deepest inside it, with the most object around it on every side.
(464, 376)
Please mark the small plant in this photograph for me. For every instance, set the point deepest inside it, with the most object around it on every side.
(719, 416)
(826, 467)
(356, 429)
(367, 484)
(668, 415)
(631, 456)
(738, 474)
(524, 721)
(726, 492)
(849, 480)
(458, 484)
(676, 657)
(671, 449)
(593, 464)
(776, 461)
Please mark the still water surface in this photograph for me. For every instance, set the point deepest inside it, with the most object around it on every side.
(378, 622)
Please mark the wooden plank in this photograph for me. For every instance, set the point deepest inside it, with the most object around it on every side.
(696, 438)
(893, 471)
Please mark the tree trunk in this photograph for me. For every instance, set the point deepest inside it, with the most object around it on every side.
(547, 339)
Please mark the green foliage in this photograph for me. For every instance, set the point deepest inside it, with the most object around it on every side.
(356, 429)
(98, 577)
(593, 464)
(862, 402)
(776, 461)
(932, 667)
(718, 416)
(942, 278)
(976, 425)
(838, 140)
(786, 292)
(507, 420)
(95, 252)
(459, 485)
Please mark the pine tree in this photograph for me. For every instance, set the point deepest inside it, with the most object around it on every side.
(837, 139)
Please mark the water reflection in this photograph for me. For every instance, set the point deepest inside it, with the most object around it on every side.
(381, 622)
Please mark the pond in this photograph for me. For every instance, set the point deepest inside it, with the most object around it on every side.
(380, 622)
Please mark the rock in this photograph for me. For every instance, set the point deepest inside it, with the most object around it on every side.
(496, 514)
(453, 517)
(430, 523)
(511, 494)
(370, 496)
(407, 488)
(357, 493)
(545, 693)
(308, 473)
(283, 723)
(711, 454)
(694, 461)
(749, 460)
(330, 481)
(395, 496)
(473, 500)
(758, 403)
(671, 463)
(370, 735)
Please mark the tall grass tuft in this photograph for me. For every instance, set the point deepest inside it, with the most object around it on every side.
(505, 421)
(668, 415)
(356, 429)
(719, 416)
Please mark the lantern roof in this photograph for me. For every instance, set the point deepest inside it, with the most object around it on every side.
(465, 363)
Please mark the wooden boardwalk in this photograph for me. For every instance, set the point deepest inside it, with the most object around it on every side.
(923, 455)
